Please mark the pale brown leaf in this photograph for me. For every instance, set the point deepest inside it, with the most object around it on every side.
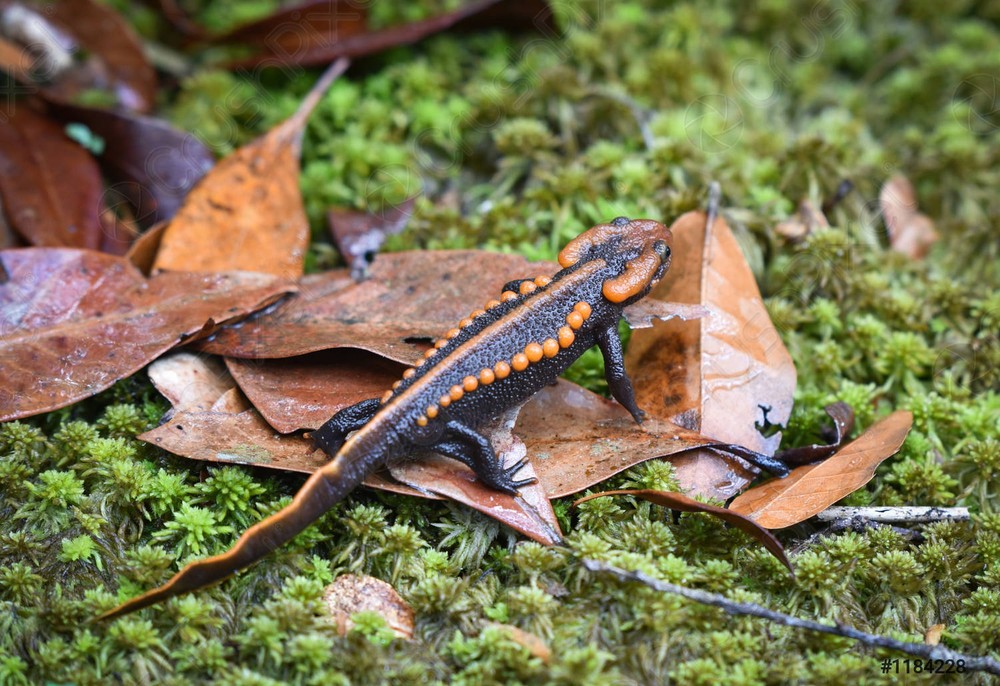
(780, 503)
(353, 593)
(910, 232)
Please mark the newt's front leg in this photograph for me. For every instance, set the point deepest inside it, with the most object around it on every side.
(614, 371)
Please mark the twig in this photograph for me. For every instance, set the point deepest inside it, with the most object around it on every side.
(712, 207)
(895, 515)
(971, 663)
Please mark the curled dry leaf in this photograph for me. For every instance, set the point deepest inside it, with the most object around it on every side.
(247, 213)
(353, 593)
(76, 321)
(910, 232)
(359, 235)
(843, 422)
(807, 219)
(679, 501)
(715, 374)
(50, 187)
(78, 46)
(325, 36)
(303, 392)
(407, 303)
(190, 381)
(810, 489)
(149, 164)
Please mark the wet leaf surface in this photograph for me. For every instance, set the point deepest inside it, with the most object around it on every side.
(325, 36)
(78, 46)
(359, 235)
(74, 322)
(148, 163)
(780, 503)
(50, 187)
(681, 502)
(411, 299)
(910, 232)
(247, 213)
(352, 593)
(714, 374)
(303, 392)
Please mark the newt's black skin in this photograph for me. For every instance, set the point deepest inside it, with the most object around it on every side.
(495, 359)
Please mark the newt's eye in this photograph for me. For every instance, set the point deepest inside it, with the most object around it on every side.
(662, 249)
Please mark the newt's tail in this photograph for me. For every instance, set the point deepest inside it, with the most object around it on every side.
(321, 491)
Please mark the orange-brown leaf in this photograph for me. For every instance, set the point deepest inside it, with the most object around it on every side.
(810, 489)
(713, 374)
(247, 213)
(910, 232)
(681, 502)
(76, 321)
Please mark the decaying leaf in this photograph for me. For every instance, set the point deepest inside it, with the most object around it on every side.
(359, 235)
(720, 374)
(78, 46)
(190, 381)
(806, 219)
(843, 422)
(408, 302)
(809, 489)
(76, 321)
(353, 593)
(148, 163)
(247, 213)
(303, 392)
(681, 502)
(532, 643)
(324, 36)
(910, 232)
(50, 187)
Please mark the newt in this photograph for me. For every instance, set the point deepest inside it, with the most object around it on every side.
(494, 359)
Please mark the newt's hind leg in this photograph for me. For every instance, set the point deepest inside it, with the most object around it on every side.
(470, 447)
(331, 436)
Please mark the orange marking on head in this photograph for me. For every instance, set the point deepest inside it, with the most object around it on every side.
(533, 351)
(574, 319)
(508, 295)
(493, 303)
(519, 362)
(486, 376)
(408, 374)
(543, 281)
(527, 287)
(422, 421)
(566, 337)
(456, 392)
(583, 308)
(638, 275)
(550, 347)
(470, 383)
(579, 246)
(502, 369)
(432, 411)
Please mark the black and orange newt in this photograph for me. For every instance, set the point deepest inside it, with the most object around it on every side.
(494, 359)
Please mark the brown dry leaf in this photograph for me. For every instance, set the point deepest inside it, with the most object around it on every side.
(78, 46)
(191, 382)
(50, 187)
(359, 235)
(806, 219)
(352, 593)
(713, 374)
(532, 643)
(307, 43)
(76, 321)
(681, 502)
(303, 392)
(247, 213)
(409, 301)
(910, 232)
(779, 503)
(932, 636)
(142, 252)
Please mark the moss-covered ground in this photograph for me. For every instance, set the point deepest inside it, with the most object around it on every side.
(516, 143)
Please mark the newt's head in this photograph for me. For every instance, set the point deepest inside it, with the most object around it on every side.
(638, 250)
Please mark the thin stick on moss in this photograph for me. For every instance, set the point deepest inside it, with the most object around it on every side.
(894, 515)
(971, 663)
